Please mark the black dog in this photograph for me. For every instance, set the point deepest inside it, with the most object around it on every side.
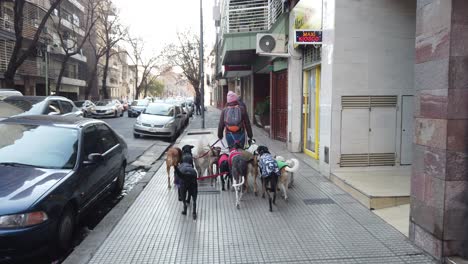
(188, 180)
(187, 156)
(270, 173)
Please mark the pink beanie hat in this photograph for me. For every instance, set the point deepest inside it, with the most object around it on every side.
(231, 97)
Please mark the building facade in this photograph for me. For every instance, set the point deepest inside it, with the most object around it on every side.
(352, 99)
(31, 77)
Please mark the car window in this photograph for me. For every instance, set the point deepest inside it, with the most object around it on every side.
(106, 137)
(90, 141)
(177, 110)
(54, 107)
(66, 107)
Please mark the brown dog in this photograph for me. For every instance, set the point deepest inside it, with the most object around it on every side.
(213, 161)
(174, 157)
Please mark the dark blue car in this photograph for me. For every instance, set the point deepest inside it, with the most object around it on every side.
(137, 107)
(52, 169)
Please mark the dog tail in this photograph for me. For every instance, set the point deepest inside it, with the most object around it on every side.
(293, 165)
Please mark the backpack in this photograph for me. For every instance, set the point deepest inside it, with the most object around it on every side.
(233, 118)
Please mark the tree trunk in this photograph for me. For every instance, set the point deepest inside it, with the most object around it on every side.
(137, 88)
(92, 77)
(60, 76)
(104, 75)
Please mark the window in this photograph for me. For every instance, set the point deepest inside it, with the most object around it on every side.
(66, 107)
(177, 110)
(107, 137)
(53, 107)
(90, 141)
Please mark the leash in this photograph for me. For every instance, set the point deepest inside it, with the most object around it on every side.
(206, 153)
(212, 176)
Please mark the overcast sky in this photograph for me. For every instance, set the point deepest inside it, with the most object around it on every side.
(157, 21)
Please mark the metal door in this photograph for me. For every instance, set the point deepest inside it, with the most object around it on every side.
(279, 114)
(406, 130)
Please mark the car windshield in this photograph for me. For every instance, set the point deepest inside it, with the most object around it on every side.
(79, 103)
(104, 103)
(57, 148)
(140, 103)
(19, 106)
(159, 109)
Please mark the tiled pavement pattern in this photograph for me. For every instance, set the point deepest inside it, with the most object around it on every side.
(338, 230)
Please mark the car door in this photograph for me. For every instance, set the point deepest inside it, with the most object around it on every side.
(178, 118)
(112, 154)
(90, 174)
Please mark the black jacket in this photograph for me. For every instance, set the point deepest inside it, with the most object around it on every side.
(187, 174)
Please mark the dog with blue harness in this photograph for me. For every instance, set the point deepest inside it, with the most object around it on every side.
(269, 172)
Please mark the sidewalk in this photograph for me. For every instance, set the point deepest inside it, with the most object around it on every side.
(319, 224)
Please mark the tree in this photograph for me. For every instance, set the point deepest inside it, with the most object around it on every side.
(185, 55)
(72, 43)
(110, 33)
(154, 87)
(146, 65)
(21, 53)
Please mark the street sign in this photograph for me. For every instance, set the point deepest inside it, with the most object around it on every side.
(308, 37)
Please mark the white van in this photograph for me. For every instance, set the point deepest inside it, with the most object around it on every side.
(4, 93)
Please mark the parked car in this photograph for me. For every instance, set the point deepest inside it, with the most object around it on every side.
(185, 114)
(4, 93)
(108, 108)
(52, 170)
(160, 120)
(137, 107)
(38, 105)
(125, 105)
(86, 107)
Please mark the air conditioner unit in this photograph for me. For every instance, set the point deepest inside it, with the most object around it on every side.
(271, 43)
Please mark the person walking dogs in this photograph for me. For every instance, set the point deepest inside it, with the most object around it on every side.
(234, 122)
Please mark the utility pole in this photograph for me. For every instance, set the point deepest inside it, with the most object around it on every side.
(202, 72)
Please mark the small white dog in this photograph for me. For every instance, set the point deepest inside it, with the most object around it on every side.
(287, 168)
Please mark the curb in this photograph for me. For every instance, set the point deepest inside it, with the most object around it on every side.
(83, 253)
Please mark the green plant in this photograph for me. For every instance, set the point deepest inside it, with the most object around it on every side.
(263, 107)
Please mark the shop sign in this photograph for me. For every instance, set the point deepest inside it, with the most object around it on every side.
(308, 37)
(308, 22)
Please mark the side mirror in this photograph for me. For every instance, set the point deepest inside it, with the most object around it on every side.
(93, 158)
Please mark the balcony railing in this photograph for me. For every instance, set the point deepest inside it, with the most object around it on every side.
(250, 15)
(6, 25)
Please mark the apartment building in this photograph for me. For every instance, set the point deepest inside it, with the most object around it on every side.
(370, 91)
(46, 61)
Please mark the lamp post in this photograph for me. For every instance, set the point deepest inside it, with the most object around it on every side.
(202, 72)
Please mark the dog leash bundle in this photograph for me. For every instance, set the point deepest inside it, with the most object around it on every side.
(212, 176)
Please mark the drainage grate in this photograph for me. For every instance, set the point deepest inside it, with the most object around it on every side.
(199, 133)
(318, 201)
(207, 192)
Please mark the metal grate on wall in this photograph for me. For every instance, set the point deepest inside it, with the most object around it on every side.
(312, 55)
(368, 101)
(367, 160)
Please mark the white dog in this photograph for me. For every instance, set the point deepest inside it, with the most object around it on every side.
(287, 168)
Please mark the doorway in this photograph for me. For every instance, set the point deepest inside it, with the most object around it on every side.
(311, 113)
(279, 108)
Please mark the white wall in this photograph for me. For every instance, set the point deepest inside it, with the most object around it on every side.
(368, 49)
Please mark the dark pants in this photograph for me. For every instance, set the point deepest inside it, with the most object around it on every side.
(233, 138)
(198, 110)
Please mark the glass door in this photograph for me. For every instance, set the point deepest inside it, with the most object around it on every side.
(311, 113)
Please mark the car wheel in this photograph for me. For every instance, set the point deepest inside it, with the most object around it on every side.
(65, 229)
(121, 113)
(135, 135)
(119, 183)
(129, 115)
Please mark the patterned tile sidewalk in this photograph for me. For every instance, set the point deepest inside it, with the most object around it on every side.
(319, 224)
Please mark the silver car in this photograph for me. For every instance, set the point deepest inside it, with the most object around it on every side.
(108, 108)
(159, 120)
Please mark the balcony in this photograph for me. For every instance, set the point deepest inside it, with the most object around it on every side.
(249, 15)
(78, 5)
(7, 25)
(241, 20)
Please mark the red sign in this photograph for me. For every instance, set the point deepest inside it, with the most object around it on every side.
(308, 37)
